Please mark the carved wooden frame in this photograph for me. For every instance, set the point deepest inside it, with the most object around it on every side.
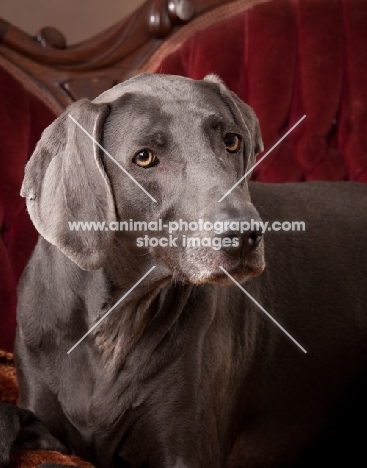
(64, 74)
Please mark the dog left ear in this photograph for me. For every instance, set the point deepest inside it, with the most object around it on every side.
(245, 116)
(65, 182)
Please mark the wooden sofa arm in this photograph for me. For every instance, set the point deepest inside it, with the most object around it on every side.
(59, 74)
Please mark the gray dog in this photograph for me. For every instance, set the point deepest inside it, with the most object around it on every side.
(186, 371)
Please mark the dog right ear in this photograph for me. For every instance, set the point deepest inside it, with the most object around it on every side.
(65, 181)
(245, 115)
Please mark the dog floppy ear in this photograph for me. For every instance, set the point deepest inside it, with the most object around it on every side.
(65, 181)
(245, 115)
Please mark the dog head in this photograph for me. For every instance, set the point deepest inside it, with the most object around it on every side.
(156, 147)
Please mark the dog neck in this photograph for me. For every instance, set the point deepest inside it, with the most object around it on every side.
(143, 317)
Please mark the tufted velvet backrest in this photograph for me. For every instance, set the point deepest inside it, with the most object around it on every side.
(287, 58)
(22, 119)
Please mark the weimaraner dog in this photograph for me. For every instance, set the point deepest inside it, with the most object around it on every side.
(186, 371)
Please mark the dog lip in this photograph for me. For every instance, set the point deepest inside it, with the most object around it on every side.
(240, 272)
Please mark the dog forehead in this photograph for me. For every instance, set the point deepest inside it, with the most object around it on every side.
(168, 91)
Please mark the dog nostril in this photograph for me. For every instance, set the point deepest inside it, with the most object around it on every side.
(255, 238)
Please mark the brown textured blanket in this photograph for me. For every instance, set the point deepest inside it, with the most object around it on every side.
(9, 394)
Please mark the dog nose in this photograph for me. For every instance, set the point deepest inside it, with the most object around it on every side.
(240, 244)
(242, 227)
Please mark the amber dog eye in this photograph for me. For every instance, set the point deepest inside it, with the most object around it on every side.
(232, 142)
(145, 158)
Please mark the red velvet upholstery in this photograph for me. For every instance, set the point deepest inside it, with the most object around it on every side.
(287, 58)
(23, 117)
